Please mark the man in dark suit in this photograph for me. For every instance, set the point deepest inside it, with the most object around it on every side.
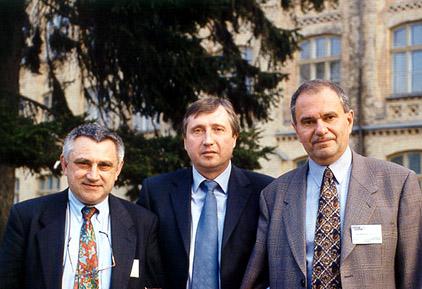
(211, 128)
(50, 242)
(342, 220)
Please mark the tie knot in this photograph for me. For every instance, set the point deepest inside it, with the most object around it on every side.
(209, 186)
(88, 212)
(328, 174)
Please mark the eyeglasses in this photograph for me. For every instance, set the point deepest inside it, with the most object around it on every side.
(96, 271)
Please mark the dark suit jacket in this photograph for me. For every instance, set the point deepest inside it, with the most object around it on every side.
(169, 196)
(379, 193)
(31, 254)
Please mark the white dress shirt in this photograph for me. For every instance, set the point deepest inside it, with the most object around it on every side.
(197, 203)
(102, 230)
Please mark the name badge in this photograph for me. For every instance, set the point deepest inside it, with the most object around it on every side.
(135, 269)
(366, 234)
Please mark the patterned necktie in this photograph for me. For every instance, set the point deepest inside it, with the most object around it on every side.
(326, 261)
(205, 263)
(86, 276)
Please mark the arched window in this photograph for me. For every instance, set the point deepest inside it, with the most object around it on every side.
(407, 58)
(411, 160)
(320, 58)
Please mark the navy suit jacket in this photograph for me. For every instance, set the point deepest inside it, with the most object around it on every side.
(169, 197)
(31, 254)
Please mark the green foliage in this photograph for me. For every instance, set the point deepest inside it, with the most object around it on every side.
(148, 56)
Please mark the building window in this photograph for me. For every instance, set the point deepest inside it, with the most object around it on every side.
(144, 124)
(48, 184)
(17, 189)
(248, 55)
(411, 160)
(407, 58)
(320, 59)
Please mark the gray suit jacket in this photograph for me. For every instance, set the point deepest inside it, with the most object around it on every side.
(379, 193)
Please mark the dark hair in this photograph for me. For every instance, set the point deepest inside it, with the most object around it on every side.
(315, 86)
(211, 104)
(95, 132)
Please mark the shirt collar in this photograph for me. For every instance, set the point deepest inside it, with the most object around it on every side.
(76, 206)
(222, 179)
(340, 168)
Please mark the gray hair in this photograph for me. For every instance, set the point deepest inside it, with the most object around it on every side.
(95, 132)
(209, 105)
(315, 86)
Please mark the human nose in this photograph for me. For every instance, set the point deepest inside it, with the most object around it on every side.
(93, 173)
(321, 128)
(208, 138)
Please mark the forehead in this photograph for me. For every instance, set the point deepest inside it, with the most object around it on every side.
(325, 99)
(85, 147)
(218, 116)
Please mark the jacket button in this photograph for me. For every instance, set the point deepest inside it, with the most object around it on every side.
(303, 283)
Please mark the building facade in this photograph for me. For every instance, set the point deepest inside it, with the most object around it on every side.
(373, 49)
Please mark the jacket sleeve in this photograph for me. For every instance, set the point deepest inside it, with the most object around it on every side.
(154, 270)
(256, 275)
(12, 253)
(409, 244)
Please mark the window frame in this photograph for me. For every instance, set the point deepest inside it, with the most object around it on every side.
(406, 160)
(407, 50)
(313, 60)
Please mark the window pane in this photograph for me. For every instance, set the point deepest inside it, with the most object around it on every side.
(335, 71)
(399, 38)
(320, 70)
(417, 71)
(247, 54)
(305, 73)
(400, 74)
(415, 162)
(305, 50)
(335, 46)
(321, 47)
(417, 34)
(397, 160)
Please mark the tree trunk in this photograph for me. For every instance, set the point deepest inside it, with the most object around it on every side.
(7, 184)
(12, 17)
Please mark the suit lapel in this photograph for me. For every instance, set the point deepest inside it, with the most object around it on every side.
(51, 240)
(180, 197)
(294, 218)
(237, 196)
(360, 203)
(124, 240)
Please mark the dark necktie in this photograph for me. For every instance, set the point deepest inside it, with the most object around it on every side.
(86, 276)
(326, 261)
(205, 260)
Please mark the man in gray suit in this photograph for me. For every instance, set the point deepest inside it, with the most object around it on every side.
(342, 220)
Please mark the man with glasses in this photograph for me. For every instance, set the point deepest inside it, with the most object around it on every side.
(83, 237)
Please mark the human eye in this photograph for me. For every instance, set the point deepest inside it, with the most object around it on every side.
(197, 131)
(307, 121)
(330, 117)
(82, 164)
(105, 166)
(219, 129)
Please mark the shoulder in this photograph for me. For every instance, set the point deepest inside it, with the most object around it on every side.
(256, 181)
(34, 206)
(162, 179)
(379, 167)
(254, 176)
(283, 182)
(134, 210)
